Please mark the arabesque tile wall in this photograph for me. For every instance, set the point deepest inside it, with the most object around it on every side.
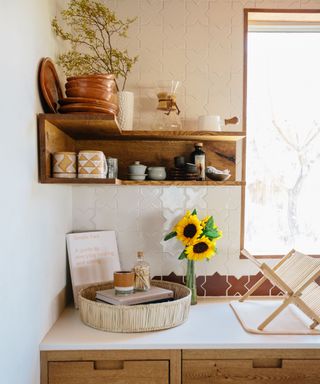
(199, 42)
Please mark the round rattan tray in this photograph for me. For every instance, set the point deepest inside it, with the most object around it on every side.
(136, 318)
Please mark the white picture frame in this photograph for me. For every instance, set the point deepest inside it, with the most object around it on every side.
(93, 258)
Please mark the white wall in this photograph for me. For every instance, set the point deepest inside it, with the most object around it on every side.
(34, 217)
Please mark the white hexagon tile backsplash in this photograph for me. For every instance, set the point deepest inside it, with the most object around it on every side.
(141, 216)
(199, 42)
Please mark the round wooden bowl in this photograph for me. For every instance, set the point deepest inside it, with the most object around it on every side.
(109, 85)
(135, 318)
(92, 93)
(108, 76)
(83, 107)
(76, 100)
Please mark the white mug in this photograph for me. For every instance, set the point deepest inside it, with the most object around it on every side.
(209, 123)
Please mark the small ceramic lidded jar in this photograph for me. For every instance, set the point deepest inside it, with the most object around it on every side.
(142, 274)
(137, 169)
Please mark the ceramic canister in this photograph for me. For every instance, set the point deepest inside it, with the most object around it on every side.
(64, 164)
(209, 123)
(92, 164)
(157, 173)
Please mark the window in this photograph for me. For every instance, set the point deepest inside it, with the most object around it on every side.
(282, 199)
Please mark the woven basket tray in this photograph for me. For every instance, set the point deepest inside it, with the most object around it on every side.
(136, 318)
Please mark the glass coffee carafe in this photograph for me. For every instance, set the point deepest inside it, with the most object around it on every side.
(167, 116)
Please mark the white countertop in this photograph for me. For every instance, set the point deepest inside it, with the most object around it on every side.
(211, 325)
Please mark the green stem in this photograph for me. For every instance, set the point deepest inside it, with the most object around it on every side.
(191, 281)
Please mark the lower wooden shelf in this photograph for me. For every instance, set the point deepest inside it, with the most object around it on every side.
(182, 182)
(75, 133)
(56, 180)
(52, 180)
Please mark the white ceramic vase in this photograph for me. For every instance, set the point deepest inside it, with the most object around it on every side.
(125, 115)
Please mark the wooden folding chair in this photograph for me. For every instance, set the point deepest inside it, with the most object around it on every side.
(294, 275)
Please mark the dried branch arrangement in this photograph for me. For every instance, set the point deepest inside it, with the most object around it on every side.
(92, 30)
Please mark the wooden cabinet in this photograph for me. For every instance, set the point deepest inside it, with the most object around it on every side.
(260, 371)
(109, 371)
(114, 367)
(256, 367)
(57, 132)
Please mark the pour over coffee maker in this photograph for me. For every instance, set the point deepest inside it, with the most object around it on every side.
(167, 116)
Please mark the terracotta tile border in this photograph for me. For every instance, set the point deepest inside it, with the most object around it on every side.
(226, 285)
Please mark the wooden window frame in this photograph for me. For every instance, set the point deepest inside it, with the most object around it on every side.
(246, 12)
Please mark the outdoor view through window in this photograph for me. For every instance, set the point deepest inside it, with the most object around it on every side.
(282, 207)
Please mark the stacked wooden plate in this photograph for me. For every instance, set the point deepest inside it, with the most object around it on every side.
(182, 174)
(90, 93)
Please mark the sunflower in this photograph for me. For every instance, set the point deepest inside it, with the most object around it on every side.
(204, 221)
(201, 249)
(188, 229)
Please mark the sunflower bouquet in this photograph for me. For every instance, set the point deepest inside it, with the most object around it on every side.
(199, 238)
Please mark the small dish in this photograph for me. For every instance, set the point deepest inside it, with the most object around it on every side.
(217, 175)
(137, 177)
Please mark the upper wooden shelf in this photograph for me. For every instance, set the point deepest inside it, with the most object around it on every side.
(101, 126)
(84, 126)
(182, 135)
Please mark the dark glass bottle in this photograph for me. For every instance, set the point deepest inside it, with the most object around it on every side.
(198, 157)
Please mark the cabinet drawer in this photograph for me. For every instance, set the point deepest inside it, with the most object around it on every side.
(105, 372)
(255, 371)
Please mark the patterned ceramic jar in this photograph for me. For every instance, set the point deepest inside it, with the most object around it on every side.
(64, 164)
(92, 164)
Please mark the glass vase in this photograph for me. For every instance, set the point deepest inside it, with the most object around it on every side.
(191, 281)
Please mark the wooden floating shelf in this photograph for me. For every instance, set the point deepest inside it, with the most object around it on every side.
(101, 132)
(84, 126)
(102, 126)
(182, 135)
(52, 180)
(182, 183)
(56, 180)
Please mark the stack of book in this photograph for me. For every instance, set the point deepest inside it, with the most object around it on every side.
(153, 295)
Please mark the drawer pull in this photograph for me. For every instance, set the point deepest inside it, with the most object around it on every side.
(108, 364)
(267, 363)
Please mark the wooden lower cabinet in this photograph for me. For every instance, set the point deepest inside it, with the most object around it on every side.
(254, 367)
(187, 367)
(102, 372)
(111, 367)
